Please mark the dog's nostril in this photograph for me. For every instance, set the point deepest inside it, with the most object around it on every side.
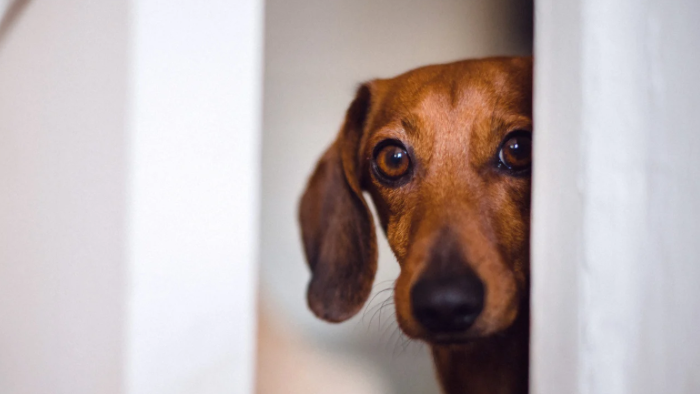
(447, 304)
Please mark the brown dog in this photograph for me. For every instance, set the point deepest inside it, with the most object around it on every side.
(445, 152)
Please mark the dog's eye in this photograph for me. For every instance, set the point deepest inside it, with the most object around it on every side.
(516, 151)
(391, 161)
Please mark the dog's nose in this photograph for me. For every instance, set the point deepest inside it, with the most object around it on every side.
(447, 304)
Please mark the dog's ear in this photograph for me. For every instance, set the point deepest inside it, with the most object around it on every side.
(336, 224)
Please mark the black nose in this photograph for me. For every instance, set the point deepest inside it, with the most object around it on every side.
(449, 303)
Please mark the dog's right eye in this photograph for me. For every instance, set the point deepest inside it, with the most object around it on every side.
(391, 161)
(515, 153)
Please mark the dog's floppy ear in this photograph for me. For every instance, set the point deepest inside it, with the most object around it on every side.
(336, 224)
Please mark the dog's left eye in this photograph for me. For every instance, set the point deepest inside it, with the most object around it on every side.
(391, 161)
(516, 151)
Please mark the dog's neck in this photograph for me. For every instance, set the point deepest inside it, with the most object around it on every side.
(497, 365)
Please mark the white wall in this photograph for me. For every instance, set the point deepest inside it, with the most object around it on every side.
(193, 201)
(615, 251)
(317, 52)
(63, 170)
(128, 212)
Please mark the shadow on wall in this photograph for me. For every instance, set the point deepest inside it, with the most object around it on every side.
(316, 53)
(10, 10)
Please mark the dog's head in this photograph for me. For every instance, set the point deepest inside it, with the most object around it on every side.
(444, 151)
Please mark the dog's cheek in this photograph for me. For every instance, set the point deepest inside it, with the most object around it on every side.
(510, 212)
(512, 233)
(502, 294)
(404, 315)
(398, 232)
(411, 268)
(401, 216)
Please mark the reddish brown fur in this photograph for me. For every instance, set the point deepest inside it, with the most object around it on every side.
(452, 118)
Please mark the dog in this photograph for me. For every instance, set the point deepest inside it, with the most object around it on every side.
(445, 153)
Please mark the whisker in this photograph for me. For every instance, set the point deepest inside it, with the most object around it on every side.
(379, 310)
(381, 307)
(368, 307)
(391, 322)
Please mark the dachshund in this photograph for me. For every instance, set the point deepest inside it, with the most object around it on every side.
(444, 152)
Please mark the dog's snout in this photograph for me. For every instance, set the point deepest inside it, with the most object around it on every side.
(448, 304)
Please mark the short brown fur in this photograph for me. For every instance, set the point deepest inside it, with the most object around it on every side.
(452, 119)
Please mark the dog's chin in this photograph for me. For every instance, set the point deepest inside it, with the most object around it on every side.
(457, 340)
(453, 340)
(480, 332)
(447, 340)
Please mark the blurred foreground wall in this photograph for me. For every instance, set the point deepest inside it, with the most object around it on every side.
(616, 213)
(128, 204)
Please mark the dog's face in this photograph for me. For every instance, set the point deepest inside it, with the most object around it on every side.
(444, 151)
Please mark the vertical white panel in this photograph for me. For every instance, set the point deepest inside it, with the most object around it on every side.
(62, 201)
(617, 125)
(615, 251)
(194, 119)
(557, 201)
(128, 196)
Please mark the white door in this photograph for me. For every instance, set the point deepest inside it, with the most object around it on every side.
(616, 214)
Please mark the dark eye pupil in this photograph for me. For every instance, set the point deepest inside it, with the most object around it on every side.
(395, 157)
(516, 152)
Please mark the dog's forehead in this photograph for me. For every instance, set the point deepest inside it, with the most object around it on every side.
(460, 105)
(455, 82)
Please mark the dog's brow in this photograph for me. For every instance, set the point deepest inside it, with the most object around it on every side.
(411, 124)
(499, 93)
